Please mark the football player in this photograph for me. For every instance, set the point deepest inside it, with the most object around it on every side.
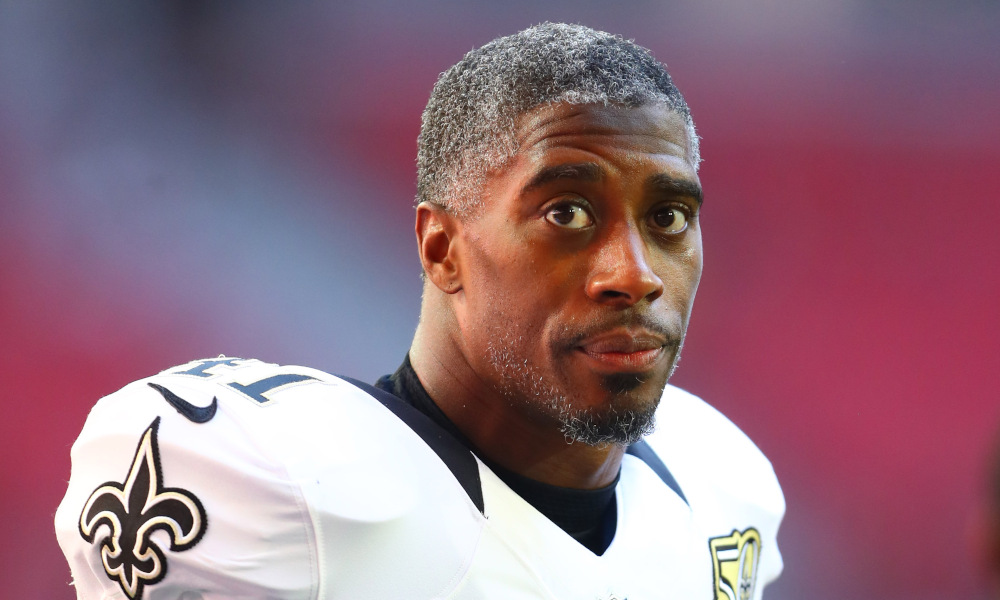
(513, 454)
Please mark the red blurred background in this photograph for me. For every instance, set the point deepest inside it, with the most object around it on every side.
(185, 179)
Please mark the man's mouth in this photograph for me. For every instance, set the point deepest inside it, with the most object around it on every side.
(624, 350)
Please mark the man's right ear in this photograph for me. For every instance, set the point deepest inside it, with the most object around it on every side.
(437, 235)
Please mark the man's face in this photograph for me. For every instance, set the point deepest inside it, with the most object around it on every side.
(581, 268)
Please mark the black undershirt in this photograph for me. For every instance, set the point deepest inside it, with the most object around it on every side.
(589, 516)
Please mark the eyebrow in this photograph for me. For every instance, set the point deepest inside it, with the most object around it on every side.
(661, 183)
(665, 184)
(578, 171)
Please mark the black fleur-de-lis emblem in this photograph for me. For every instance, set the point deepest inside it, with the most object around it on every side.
(132, 511)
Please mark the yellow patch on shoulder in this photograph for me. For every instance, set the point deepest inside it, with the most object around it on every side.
(735, 558)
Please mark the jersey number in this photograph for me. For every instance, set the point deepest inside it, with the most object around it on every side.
(256, 390)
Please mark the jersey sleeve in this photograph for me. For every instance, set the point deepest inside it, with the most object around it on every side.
(236, 478)
(152, 508)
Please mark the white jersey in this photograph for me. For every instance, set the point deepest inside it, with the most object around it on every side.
(232, 478)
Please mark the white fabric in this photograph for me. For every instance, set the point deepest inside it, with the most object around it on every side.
(321, 492)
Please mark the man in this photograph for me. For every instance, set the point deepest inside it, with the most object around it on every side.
(513, 454)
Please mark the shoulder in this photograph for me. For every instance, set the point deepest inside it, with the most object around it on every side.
(701, 445)
(733, 492)
(235, 408)
(250, 463)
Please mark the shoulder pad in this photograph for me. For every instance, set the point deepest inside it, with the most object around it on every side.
(238, 462)
(730, 484)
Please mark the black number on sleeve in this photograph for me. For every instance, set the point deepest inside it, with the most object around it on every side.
(256, 390)
(200, 369)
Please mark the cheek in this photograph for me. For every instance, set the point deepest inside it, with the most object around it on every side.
(510, 306)
(497, 296)
(519, 274)
(681, 274)
(691, 260)
(694, 260)
(490, 282)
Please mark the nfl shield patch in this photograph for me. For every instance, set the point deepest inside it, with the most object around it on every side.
(734, 562)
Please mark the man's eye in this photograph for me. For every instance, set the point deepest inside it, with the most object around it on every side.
(569, 216)
(670, 219)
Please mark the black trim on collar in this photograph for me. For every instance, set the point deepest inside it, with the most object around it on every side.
(458, 458)
(643, 452)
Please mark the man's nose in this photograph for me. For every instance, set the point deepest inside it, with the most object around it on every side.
(621, 273)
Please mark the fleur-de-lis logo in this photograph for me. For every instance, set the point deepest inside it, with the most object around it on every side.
(133, 511)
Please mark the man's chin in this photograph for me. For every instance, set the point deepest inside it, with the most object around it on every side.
(614, 425)
(620, 384)
(623, 421)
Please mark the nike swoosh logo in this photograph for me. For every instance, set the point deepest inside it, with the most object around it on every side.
(195, 414)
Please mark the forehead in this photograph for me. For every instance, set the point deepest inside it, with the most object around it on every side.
(654, 130)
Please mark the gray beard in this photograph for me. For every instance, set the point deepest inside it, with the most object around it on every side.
(614, 426)
(600, 427)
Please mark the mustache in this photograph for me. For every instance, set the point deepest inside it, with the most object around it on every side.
(574, 335)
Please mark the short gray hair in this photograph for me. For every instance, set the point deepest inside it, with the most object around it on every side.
(468, 126)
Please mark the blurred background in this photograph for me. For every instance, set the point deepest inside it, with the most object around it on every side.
(184, 179)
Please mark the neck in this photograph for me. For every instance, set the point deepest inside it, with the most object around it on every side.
(503, 430)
